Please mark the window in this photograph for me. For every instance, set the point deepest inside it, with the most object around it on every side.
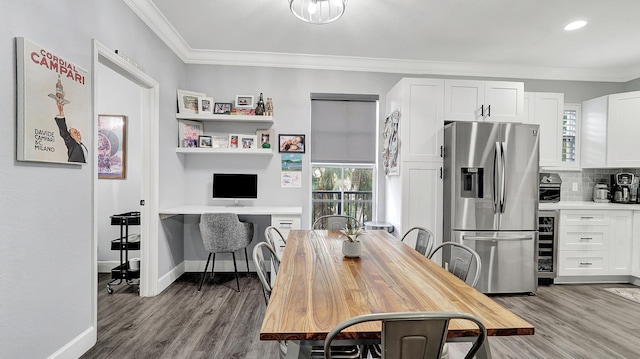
(570, 123)
(343, 155)
(344, 190)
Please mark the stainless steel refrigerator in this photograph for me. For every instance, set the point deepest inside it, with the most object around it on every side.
(491, 200)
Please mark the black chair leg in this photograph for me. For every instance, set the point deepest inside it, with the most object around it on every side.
(213, 264)
(246, 259)
(235, 269)
(204, 273)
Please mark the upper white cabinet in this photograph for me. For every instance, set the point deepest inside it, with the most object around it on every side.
(421, 124)
(471, 100)
(546, 109)
(609, 137)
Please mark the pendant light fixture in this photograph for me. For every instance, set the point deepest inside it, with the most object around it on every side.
(318, 11)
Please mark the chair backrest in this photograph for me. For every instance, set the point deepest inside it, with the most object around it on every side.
(460, 260)
(261, 268)
(269, 236)
(335, 221)
(412, 335)
(424, 239)
(224, 233)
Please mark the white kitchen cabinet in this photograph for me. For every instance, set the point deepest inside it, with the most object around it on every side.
(472, 100)
(608, 135)
(546, 109)
(421, 124)
(595, 242)
(635, 245)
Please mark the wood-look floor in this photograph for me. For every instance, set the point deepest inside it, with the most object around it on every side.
(571, 321)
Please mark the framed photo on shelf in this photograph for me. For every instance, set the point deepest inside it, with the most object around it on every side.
(291, 143)
(266, 138)
(112, 146)
(233, 140)
(248, 142)
(220, 141)
(189, 133)
(222, 108)
(205, 105)
(244, 101)
(204, 141)
(188, 101)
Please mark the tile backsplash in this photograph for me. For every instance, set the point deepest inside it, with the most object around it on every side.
(586, 180)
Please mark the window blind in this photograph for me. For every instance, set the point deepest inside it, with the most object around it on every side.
(343, 128)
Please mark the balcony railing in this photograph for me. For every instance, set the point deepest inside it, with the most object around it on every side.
(358, 204)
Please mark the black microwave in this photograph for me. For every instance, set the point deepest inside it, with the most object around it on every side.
(549, 194)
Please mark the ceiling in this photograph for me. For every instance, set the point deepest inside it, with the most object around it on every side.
(489, 38)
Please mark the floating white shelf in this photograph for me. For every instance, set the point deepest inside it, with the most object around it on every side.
(226, 151)
(225, 118)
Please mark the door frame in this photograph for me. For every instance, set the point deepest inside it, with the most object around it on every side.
(150, 91)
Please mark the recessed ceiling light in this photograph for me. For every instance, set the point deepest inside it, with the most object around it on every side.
(575, 25)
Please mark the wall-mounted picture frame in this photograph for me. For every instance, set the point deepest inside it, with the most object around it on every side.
(248, 142)
(244, 101)
(234, 140)
(204, 141)
(189, 133)
(112, 146)
(222, 108)
(188, 101)
(220, 141)
(266, 138)
(205, 105)
(291, 143)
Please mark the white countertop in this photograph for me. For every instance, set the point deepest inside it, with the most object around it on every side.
(588, 205)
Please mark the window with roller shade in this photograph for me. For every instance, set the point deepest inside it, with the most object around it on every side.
(343, 154)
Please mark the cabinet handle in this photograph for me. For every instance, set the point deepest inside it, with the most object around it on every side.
(586, 217)
(586, 263)
(586, 238)
(441, 151)
(440, 172)
(481, 110)
(489, 111)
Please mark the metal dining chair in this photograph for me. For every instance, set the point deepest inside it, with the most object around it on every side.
(423, 238)
(335, 221)
(460, 260)
(270, 234)
(412, 335)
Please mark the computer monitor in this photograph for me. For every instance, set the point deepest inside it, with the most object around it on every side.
(235, 186)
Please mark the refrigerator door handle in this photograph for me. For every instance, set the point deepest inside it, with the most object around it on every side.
(496, 173)
(501, 238)
(503, 179)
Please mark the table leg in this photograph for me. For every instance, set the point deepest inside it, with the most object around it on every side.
(297, 351)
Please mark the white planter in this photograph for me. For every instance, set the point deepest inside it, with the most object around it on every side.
(351, 249)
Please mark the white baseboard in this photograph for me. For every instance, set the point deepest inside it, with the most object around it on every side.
(107, 266)
(170, 277)
(593, 279)
(78, 346)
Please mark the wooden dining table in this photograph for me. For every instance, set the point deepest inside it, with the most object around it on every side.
(317, 287)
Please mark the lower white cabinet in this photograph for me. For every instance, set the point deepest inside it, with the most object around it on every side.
(284, 224)
(595, 242)
(635, 245)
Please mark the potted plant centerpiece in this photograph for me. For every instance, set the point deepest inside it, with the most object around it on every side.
(351, 246)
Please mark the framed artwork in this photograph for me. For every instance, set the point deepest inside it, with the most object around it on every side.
(220, 141)
(188, 101)
(244, 101)
(222, 108)
(204, 141)
(390, 144)
(112, 146)
(189, 133)
(266, 138)
(291, 143)
(233, 141)
(248, 141)
(205, 105)
(53, 106)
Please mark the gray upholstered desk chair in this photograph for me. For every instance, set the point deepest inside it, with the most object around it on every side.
(224, 233)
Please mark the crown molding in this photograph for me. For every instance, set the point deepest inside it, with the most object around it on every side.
(159, 24)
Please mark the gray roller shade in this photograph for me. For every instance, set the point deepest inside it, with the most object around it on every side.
(343, 128)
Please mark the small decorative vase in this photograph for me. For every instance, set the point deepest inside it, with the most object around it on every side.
(351, 249)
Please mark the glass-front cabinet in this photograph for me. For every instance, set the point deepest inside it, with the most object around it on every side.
(570, 123)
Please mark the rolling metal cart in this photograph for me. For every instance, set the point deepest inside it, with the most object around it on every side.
(122, 244)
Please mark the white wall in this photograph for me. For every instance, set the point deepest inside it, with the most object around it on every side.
(116, 95)
(47, 300)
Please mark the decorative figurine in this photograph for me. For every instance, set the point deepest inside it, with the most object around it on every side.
(269, 107)
(260, 107)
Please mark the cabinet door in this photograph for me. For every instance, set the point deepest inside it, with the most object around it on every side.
(529, 111)
(577, 263)
(504, 101)
(422, 123)
(463, 100)
(623, 147)
(422, 198)
(620, 242)
(635, 245)
(548, 113)
(593, 133)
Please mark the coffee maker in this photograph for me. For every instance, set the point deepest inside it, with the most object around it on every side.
(621, 184)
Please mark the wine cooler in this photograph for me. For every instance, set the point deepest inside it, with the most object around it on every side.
(547, 246)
